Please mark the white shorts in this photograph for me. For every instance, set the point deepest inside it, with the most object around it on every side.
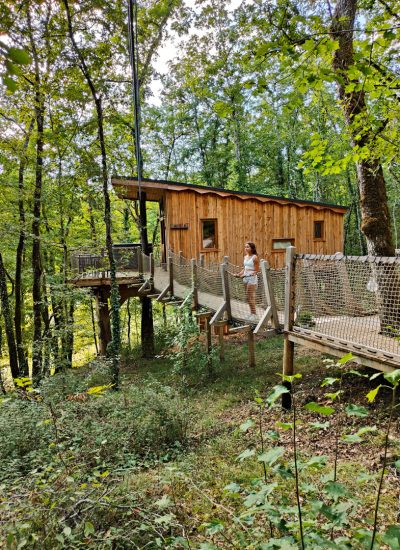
(250, 280)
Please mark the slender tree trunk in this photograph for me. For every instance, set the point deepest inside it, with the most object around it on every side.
(18, 311)
(37, 204)
(8, 324)
(114, 297)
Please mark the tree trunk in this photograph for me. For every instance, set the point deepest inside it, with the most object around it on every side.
(37, 205)
(8, 324)
(18, 311)
(114, 297)
(375, 213)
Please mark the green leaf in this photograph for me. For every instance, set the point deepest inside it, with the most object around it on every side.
(276, 393)
(356, 410)
(316, 462)
(351, 438)
(284, 425)
(333, 396)
(393, 377)
(320, 409)
(335, 490)
(329, 381)
(246, 454)
(89, 528)
(392, 537)
(21, 57)
(271, 456)
(397, 465)
(232, 488)
(246, 425)
(372, 394)
(345, 359)
(213, 527)
(320, 425)
(164, 502)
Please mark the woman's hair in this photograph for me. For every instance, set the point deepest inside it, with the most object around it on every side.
(253, 247)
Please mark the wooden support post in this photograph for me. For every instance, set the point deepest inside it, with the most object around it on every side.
(139, 260)
(252, 355)
(202, 260)
(180, 257)
(103, 318)
(269, 293)
(195, 292)
(225, 287)
(151, 264)
(221, 327)
(288, 349)
(171, 274)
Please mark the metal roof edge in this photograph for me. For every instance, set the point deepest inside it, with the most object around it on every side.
(230, 191)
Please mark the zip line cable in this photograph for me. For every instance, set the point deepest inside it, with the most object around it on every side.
(134, 62)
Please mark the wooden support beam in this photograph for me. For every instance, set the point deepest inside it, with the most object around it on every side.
(288, 346)
(151, 265)
(252, 355)
(140, 260)
(202, 260)
(264, 320)
(171, 274)
(269, 293)
(221, 342)
(186, 300)
(195, 292)
(204, 314)
(242, 328)
(218, 314)
(225, 287)
(163, 294)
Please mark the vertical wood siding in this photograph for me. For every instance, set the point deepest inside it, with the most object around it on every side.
(240, 220)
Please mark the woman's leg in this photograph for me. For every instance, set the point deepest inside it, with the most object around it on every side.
(251, 297)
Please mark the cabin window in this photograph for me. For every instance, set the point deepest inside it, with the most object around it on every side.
(209, 234)
(280, 245)
(318, 230)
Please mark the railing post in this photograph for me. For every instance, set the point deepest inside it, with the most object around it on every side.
(225, 287)
(171, 274)
(140, 261)
(151, 265)
(180, 257)
(194, 283)
(288, 346)
(202, 260)
(269, 292)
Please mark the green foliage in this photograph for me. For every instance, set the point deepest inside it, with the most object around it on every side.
(93, 428)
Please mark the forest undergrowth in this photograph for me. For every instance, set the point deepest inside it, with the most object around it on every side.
(190, 454)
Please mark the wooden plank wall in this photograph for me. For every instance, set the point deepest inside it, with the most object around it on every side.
(249, 220)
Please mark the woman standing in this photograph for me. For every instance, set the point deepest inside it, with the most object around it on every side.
(251, 266)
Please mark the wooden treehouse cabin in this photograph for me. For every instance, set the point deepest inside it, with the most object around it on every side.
(202, 236)
(217, 222)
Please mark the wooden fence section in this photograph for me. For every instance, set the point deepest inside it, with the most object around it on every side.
(340, 304)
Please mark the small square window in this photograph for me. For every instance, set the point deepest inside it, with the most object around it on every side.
(318, 230)
(282, 244)
(209, 234)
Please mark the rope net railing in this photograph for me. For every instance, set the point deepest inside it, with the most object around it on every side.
(209, 287)
(247, 303)
(182, 276)
(350, 299)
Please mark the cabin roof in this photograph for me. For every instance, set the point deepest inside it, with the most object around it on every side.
(128, 188)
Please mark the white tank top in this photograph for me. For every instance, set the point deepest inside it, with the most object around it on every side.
(248, 264)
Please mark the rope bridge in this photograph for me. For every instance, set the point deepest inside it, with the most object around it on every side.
(216, 288)
(341, 304)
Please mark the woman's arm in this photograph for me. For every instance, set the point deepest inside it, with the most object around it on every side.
(256, 265)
